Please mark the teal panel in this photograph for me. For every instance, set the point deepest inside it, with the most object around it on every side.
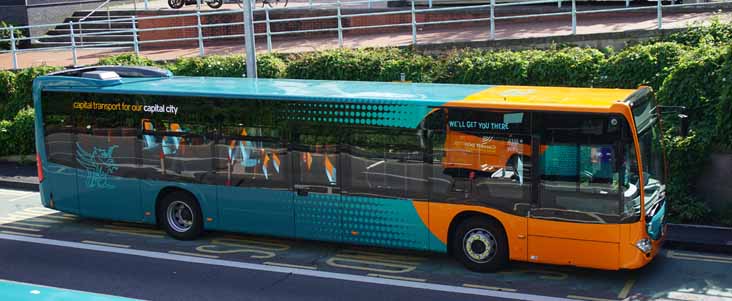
(61, 182)
(318, 217)
(119, 201)
(383, 222)
(256, 210)
(18, 291)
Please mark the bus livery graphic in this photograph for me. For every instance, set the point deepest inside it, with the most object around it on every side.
(99, 165)
(556, 175)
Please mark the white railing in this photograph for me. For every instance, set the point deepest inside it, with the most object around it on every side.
(412, 11)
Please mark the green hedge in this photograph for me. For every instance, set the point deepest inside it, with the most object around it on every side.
(16, 136)
(641, 65)
(692, 69)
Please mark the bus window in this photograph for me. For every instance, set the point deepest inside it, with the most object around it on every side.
(58, 128)
(484, 156)
(579, 167)
(252, 157)
(386, 163)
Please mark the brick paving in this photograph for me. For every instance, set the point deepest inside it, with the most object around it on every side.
(529, 28)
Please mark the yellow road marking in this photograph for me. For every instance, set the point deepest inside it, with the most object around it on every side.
(193, 254)
(32, 214)
(699, 257)
(132, 231)
(493, 288)
(22, 234)
(263, 249)
(398, 268)
(397, 277)
(626, 289)
(291, 265)
(104, 244)
(373, 258)
(589, 298)
(2, 221)
(18, 228)
(39, 219)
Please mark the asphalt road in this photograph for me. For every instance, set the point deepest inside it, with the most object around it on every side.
(45, 247)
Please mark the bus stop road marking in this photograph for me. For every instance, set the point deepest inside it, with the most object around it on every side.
(19, 233)
(286, 270)
(18, 228)
(493, 288)
(21, 197)
(576, 297)
(397, 277)
(193, 254)
(626, 289)
(699, 257)
(307, 267)
(104, 244)
(4, 221)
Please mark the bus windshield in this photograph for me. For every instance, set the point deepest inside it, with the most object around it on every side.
(649, 139)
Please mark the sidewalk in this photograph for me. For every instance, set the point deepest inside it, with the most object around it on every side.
(679, 236)
(505, 30)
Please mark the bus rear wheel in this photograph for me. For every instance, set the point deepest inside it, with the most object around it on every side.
(181, 216)
(480, 244)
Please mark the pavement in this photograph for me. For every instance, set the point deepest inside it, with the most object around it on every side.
(43, 247)
(587, 25)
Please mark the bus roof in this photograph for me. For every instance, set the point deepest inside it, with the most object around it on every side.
(329, 90)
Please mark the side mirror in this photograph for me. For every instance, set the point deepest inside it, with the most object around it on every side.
(684, 127)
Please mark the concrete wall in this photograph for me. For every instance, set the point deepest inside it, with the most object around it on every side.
(13, 11)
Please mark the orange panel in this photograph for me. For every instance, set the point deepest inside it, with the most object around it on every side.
(442, 214)
(591, 254)
(590, 232)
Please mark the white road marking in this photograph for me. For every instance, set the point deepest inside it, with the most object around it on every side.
(286, 270)
(21, 197)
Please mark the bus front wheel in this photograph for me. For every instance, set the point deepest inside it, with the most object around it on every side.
(181, 216)
(480, 244)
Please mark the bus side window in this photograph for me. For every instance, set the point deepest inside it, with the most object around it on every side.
(484, 157)
(578, 165)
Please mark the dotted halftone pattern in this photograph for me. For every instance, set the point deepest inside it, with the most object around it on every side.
(375, 113)
(361, 220)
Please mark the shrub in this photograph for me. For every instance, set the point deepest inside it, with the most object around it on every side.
(473, 66)
(270, 66)
(361, 64)
(7, 88)
(5, 34)
(724, 106)
(126, 59)
(573, 67)
(716, 32)
(647, 64)
(23, 92)
(17, 136)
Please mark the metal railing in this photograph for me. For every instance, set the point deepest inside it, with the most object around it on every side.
(200, 38)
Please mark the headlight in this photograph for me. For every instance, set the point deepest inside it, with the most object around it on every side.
(644, 245)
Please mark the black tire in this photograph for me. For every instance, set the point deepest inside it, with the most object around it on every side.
(180, 215)
(175, 4)
(476, 232)
(215, 4)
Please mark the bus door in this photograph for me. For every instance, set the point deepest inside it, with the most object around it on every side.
(575, 221)
(316, 185)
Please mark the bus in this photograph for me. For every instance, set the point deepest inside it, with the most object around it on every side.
(488, 174)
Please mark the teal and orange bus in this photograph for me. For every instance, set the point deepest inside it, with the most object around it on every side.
(489, 174)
